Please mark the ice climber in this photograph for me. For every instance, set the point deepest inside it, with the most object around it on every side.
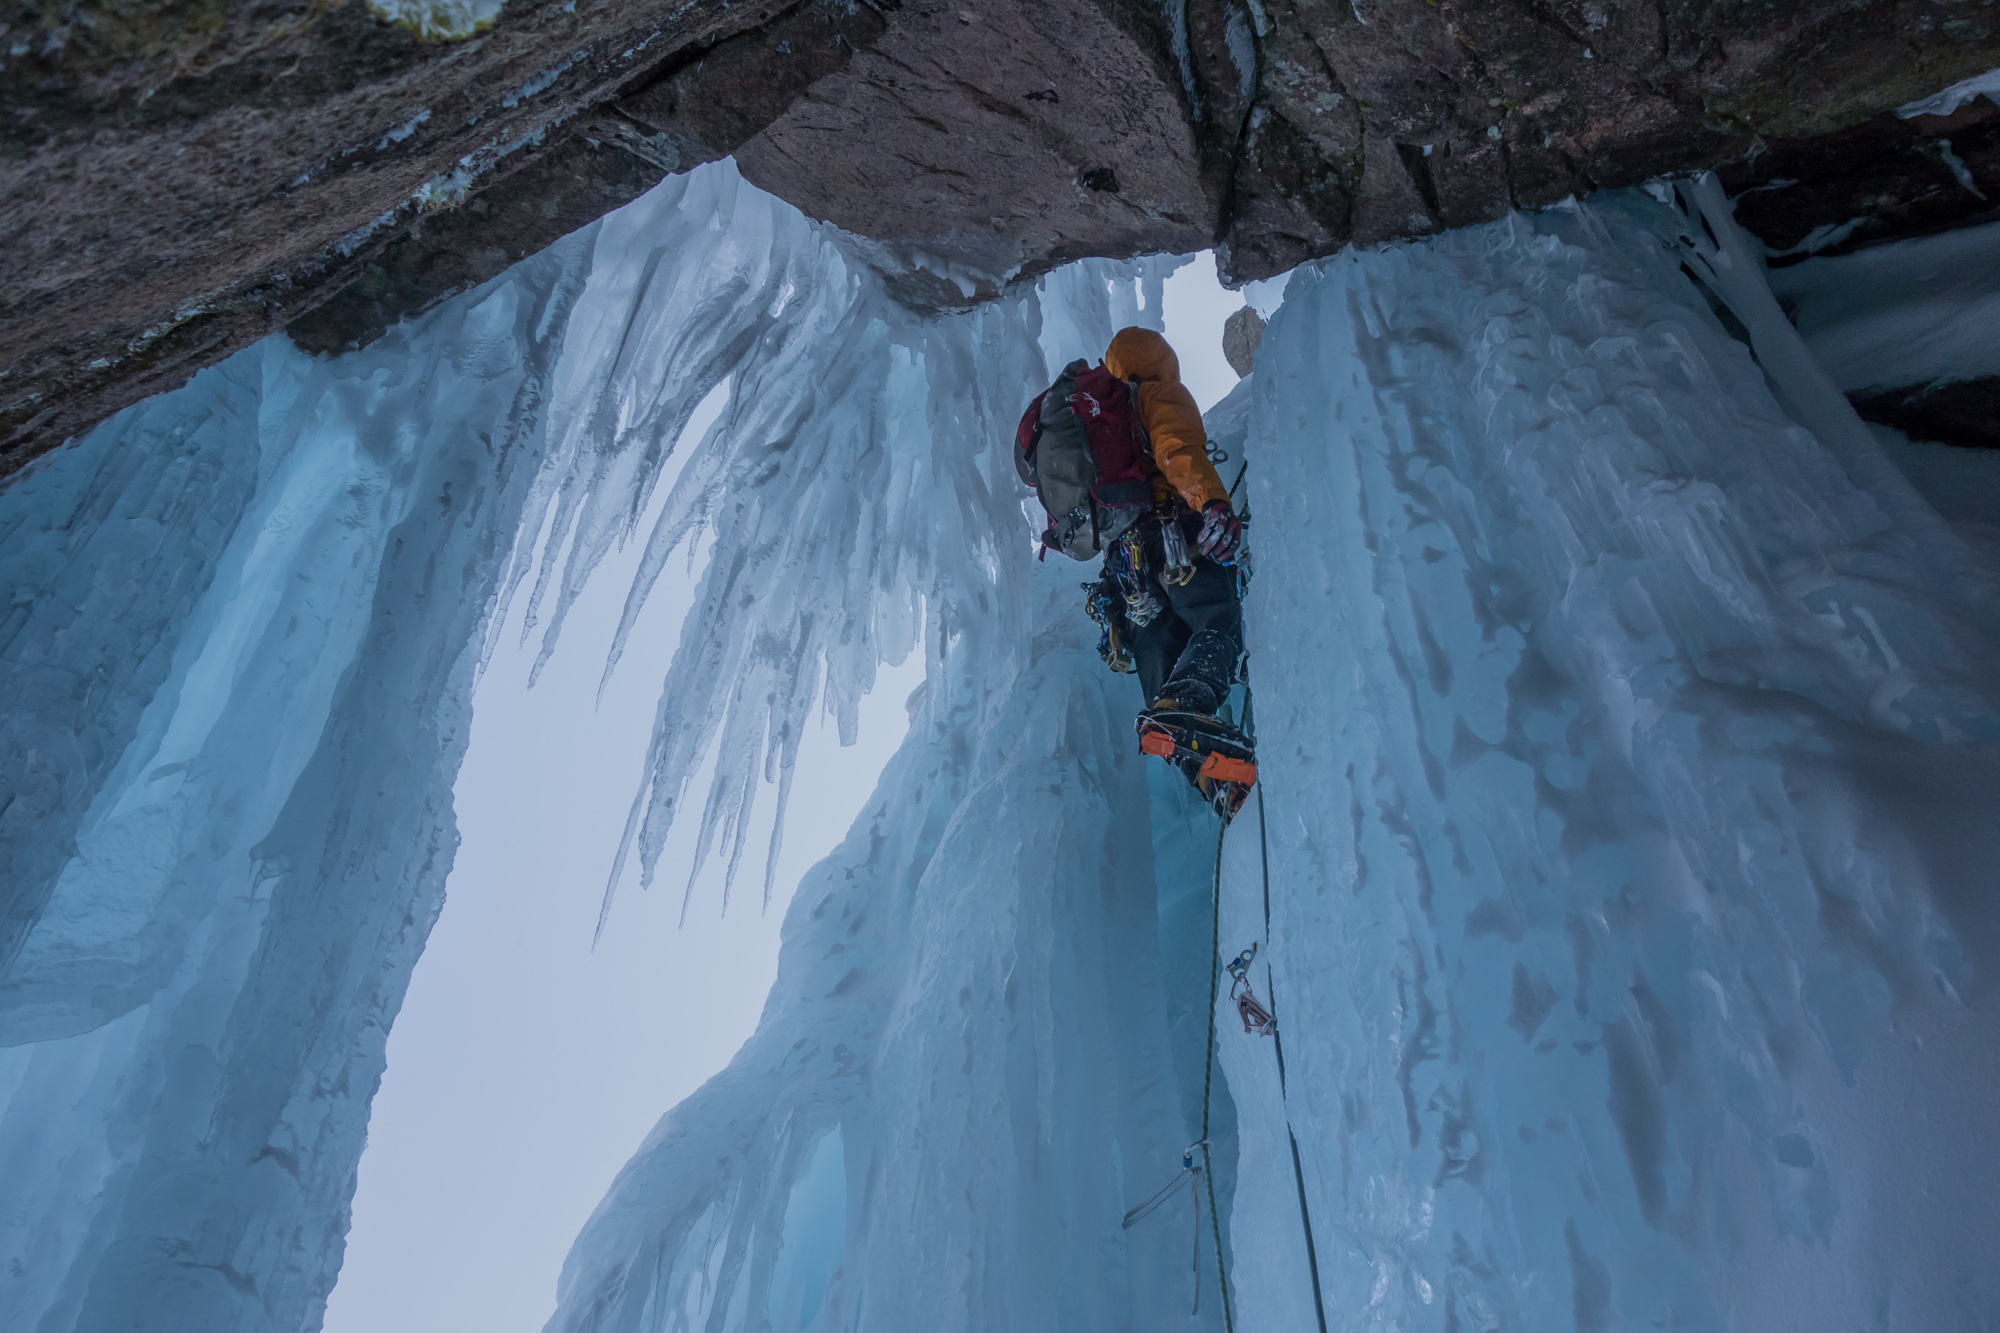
(1119, 458)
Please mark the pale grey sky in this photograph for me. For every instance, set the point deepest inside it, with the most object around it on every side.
(525, 1068)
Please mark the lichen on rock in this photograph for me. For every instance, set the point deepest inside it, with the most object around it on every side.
(439, 20)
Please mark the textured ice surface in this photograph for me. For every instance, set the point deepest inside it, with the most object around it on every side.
(244, 622)
(1908, 313)
(1954, 97)
(1629, 758)
(194, 1020)
(1629, 751)
(1629, 740)
(964, 1075)
(969, 1068)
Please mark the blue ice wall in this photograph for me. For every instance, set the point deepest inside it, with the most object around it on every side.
(244, 623)
(1629, 754)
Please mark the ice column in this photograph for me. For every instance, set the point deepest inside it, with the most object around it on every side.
(258, 600)
(963, 1077)
(967, 1070)
(1629, 757)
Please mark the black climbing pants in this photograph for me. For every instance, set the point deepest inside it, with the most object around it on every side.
(1190, 650)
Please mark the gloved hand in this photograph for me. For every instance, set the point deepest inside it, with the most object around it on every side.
(1220, 532)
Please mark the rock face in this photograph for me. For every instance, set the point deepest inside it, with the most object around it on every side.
(977, 143)
(181, 180)
(184, 178)
(1242, 335)
(1959, 412)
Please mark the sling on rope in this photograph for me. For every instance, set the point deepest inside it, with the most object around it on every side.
(1189, 1171)
(1146, 1209)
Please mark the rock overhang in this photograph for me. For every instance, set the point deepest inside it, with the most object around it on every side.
(310, 166)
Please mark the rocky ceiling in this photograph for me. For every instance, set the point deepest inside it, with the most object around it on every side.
(182, 177)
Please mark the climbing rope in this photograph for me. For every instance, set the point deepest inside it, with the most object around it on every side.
(1255, 1020)
(1208, 1080)
(1203, 1174)
(1277, 1037)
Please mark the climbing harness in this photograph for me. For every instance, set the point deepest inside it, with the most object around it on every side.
(1257, 1020)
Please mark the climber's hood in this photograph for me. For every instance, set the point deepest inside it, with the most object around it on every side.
(1141, 354)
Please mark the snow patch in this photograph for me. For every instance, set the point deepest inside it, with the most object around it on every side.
(543, 80)
(1985, 85)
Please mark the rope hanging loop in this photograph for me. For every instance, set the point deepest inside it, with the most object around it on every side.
(1190, 1168)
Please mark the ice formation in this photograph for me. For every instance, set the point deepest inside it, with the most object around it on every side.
(1628, 755)
(1895, 315)
(1628, 740)
(245, 619)
(965, 1069)
(1631, 832)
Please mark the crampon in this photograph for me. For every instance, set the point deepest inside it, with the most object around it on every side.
(1213, 755)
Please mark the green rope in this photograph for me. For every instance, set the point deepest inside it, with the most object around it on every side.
(1278, 1043)
(1208, 1082)
(1277, 1034)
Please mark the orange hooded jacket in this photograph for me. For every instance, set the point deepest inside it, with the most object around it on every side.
(1172, 421)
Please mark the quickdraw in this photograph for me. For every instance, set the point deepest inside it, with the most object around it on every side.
(1126, 563)
(1257, 1020)
(1178, 565)
(1097, 603)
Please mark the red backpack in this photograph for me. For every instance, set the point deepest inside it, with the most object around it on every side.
(1080, 446)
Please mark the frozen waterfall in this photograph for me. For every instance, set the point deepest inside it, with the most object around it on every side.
(1630, 767)
(1622, 873)
(1627, 839)
(244, 622)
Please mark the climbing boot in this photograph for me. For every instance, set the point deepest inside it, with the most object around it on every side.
(1214, 756)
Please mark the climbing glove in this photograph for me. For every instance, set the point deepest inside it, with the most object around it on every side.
(1220, 532)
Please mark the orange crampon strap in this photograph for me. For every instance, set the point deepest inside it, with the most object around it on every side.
(1222, 768)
